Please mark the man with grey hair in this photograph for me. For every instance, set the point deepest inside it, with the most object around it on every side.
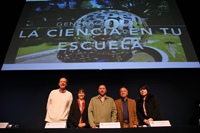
(126, 110)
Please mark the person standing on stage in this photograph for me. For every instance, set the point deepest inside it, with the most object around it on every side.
(78, 114)
(126, 110)
(58, 104)
(101, 108)
(148, 107)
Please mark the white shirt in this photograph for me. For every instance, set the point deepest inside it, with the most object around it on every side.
(58, 106)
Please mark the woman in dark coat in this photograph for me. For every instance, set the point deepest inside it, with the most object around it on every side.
(78, 114)
(148, 107)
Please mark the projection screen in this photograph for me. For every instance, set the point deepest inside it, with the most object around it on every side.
(100, 34)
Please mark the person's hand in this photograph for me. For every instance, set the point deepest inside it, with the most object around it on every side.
(150, 119)
(81, 125)
(146, 121)
(94, 127)
(84, 124)
(134, 126)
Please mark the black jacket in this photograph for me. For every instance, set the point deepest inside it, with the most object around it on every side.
(75, 115)
(152, 109)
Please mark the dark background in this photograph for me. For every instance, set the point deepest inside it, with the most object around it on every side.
(23, 94)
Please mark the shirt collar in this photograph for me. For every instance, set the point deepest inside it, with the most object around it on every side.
(125, 100)
(62, 91)
(102, 96)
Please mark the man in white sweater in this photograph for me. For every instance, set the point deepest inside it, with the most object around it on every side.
(58, 104)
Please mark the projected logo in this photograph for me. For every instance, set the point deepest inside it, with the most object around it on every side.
(110, 36)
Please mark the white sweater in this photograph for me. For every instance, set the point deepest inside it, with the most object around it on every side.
(58, 106)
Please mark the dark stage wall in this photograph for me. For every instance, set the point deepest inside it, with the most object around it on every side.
(23, 94)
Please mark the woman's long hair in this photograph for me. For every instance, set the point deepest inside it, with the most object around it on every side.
(149, 95)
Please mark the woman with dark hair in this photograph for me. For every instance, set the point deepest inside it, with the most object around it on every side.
(78, 114)
(148, 107)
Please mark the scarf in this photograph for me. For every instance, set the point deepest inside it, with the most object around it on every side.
(81, 107)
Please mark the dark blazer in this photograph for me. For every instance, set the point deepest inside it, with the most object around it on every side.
(133, 119)
(75, 115)
(152, 109)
